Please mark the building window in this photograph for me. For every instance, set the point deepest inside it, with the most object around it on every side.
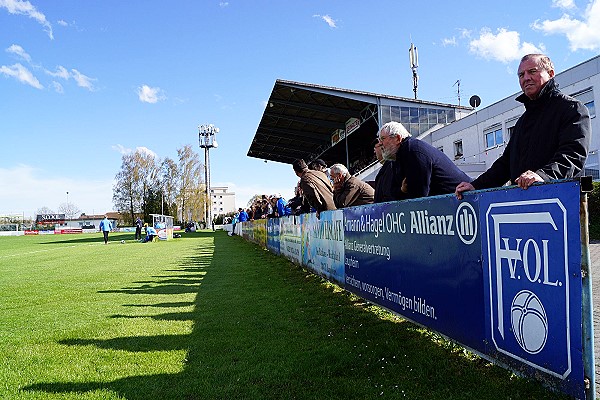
(509, 132)
(591, 108)
(493, 138)
(458, 149)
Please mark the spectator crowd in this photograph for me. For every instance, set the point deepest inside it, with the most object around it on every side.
(550, 141)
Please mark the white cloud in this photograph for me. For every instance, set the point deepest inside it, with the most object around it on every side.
(564, 4)
(121, 149)
(148, 94)
(61, 72)
(147, 151)
(82, 80)
(582, 33)
(19, 51)
(20, 189)
(465, 33)
(449, 41)
(24, 75)
(223, 4)
(504, 46)
(21, 74)
(330, 21)
(26, 8)
(124, 150)
(58, 88)
(62, 22)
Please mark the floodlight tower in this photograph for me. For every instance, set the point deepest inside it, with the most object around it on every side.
(206, 136)
(413, 55)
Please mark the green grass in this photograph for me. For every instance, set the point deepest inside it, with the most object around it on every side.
(209, 316)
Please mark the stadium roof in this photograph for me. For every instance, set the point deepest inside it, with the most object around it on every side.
(300, 120)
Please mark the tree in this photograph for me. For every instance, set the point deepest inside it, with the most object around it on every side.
(125, 196)
(148, 185)
(69, 209)
(169, 175)
(190, 185)
(44, 210)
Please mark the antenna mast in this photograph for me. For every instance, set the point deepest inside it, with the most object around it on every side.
(457, 83)
(413, 55)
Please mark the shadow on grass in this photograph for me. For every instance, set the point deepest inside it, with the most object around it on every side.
(155, 289)
(174, 304)
(180, 316)
(264, 329)
(134, 343)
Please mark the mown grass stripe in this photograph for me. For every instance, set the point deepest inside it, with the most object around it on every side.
(209, 316)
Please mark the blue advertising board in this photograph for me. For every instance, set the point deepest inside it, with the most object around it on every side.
(420, 259)
(273, 231)
(290, 238)
(323, 244)
(498, 272)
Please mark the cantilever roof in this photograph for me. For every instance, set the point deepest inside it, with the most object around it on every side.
(300, 118)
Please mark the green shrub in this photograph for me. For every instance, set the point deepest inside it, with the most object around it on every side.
(594, 212)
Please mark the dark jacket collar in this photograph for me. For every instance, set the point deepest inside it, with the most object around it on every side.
(549, 88)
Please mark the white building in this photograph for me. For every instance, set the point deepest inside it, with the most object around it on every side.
(477, 140)
(223, 202)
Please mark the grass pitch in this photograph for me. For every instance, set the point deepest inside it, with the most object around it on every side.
(209, 316)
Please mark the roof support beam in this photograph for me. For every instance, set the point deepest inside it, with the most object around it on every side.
(309, 121)
(317, 108)
(292, 135)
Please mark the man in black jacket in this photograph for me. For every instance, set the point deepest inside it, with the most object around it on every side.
(419, 169)
(550, 140)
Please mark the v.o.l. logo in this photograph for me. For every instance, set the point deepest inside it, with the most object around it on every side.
(529, 321)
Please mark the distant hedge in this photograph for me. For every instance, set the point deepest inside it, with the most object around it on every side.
(594, 211)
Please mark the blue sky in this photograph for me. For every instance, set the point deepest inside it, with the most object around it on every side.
(83, 82)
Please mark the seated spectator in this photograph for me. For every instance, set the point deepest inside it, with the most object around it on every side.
(315, 186)
(348, 190)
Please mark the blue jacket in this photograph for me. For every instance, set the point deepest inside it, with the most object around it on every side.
(106, 225)
(283, 208)
(243, 216)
